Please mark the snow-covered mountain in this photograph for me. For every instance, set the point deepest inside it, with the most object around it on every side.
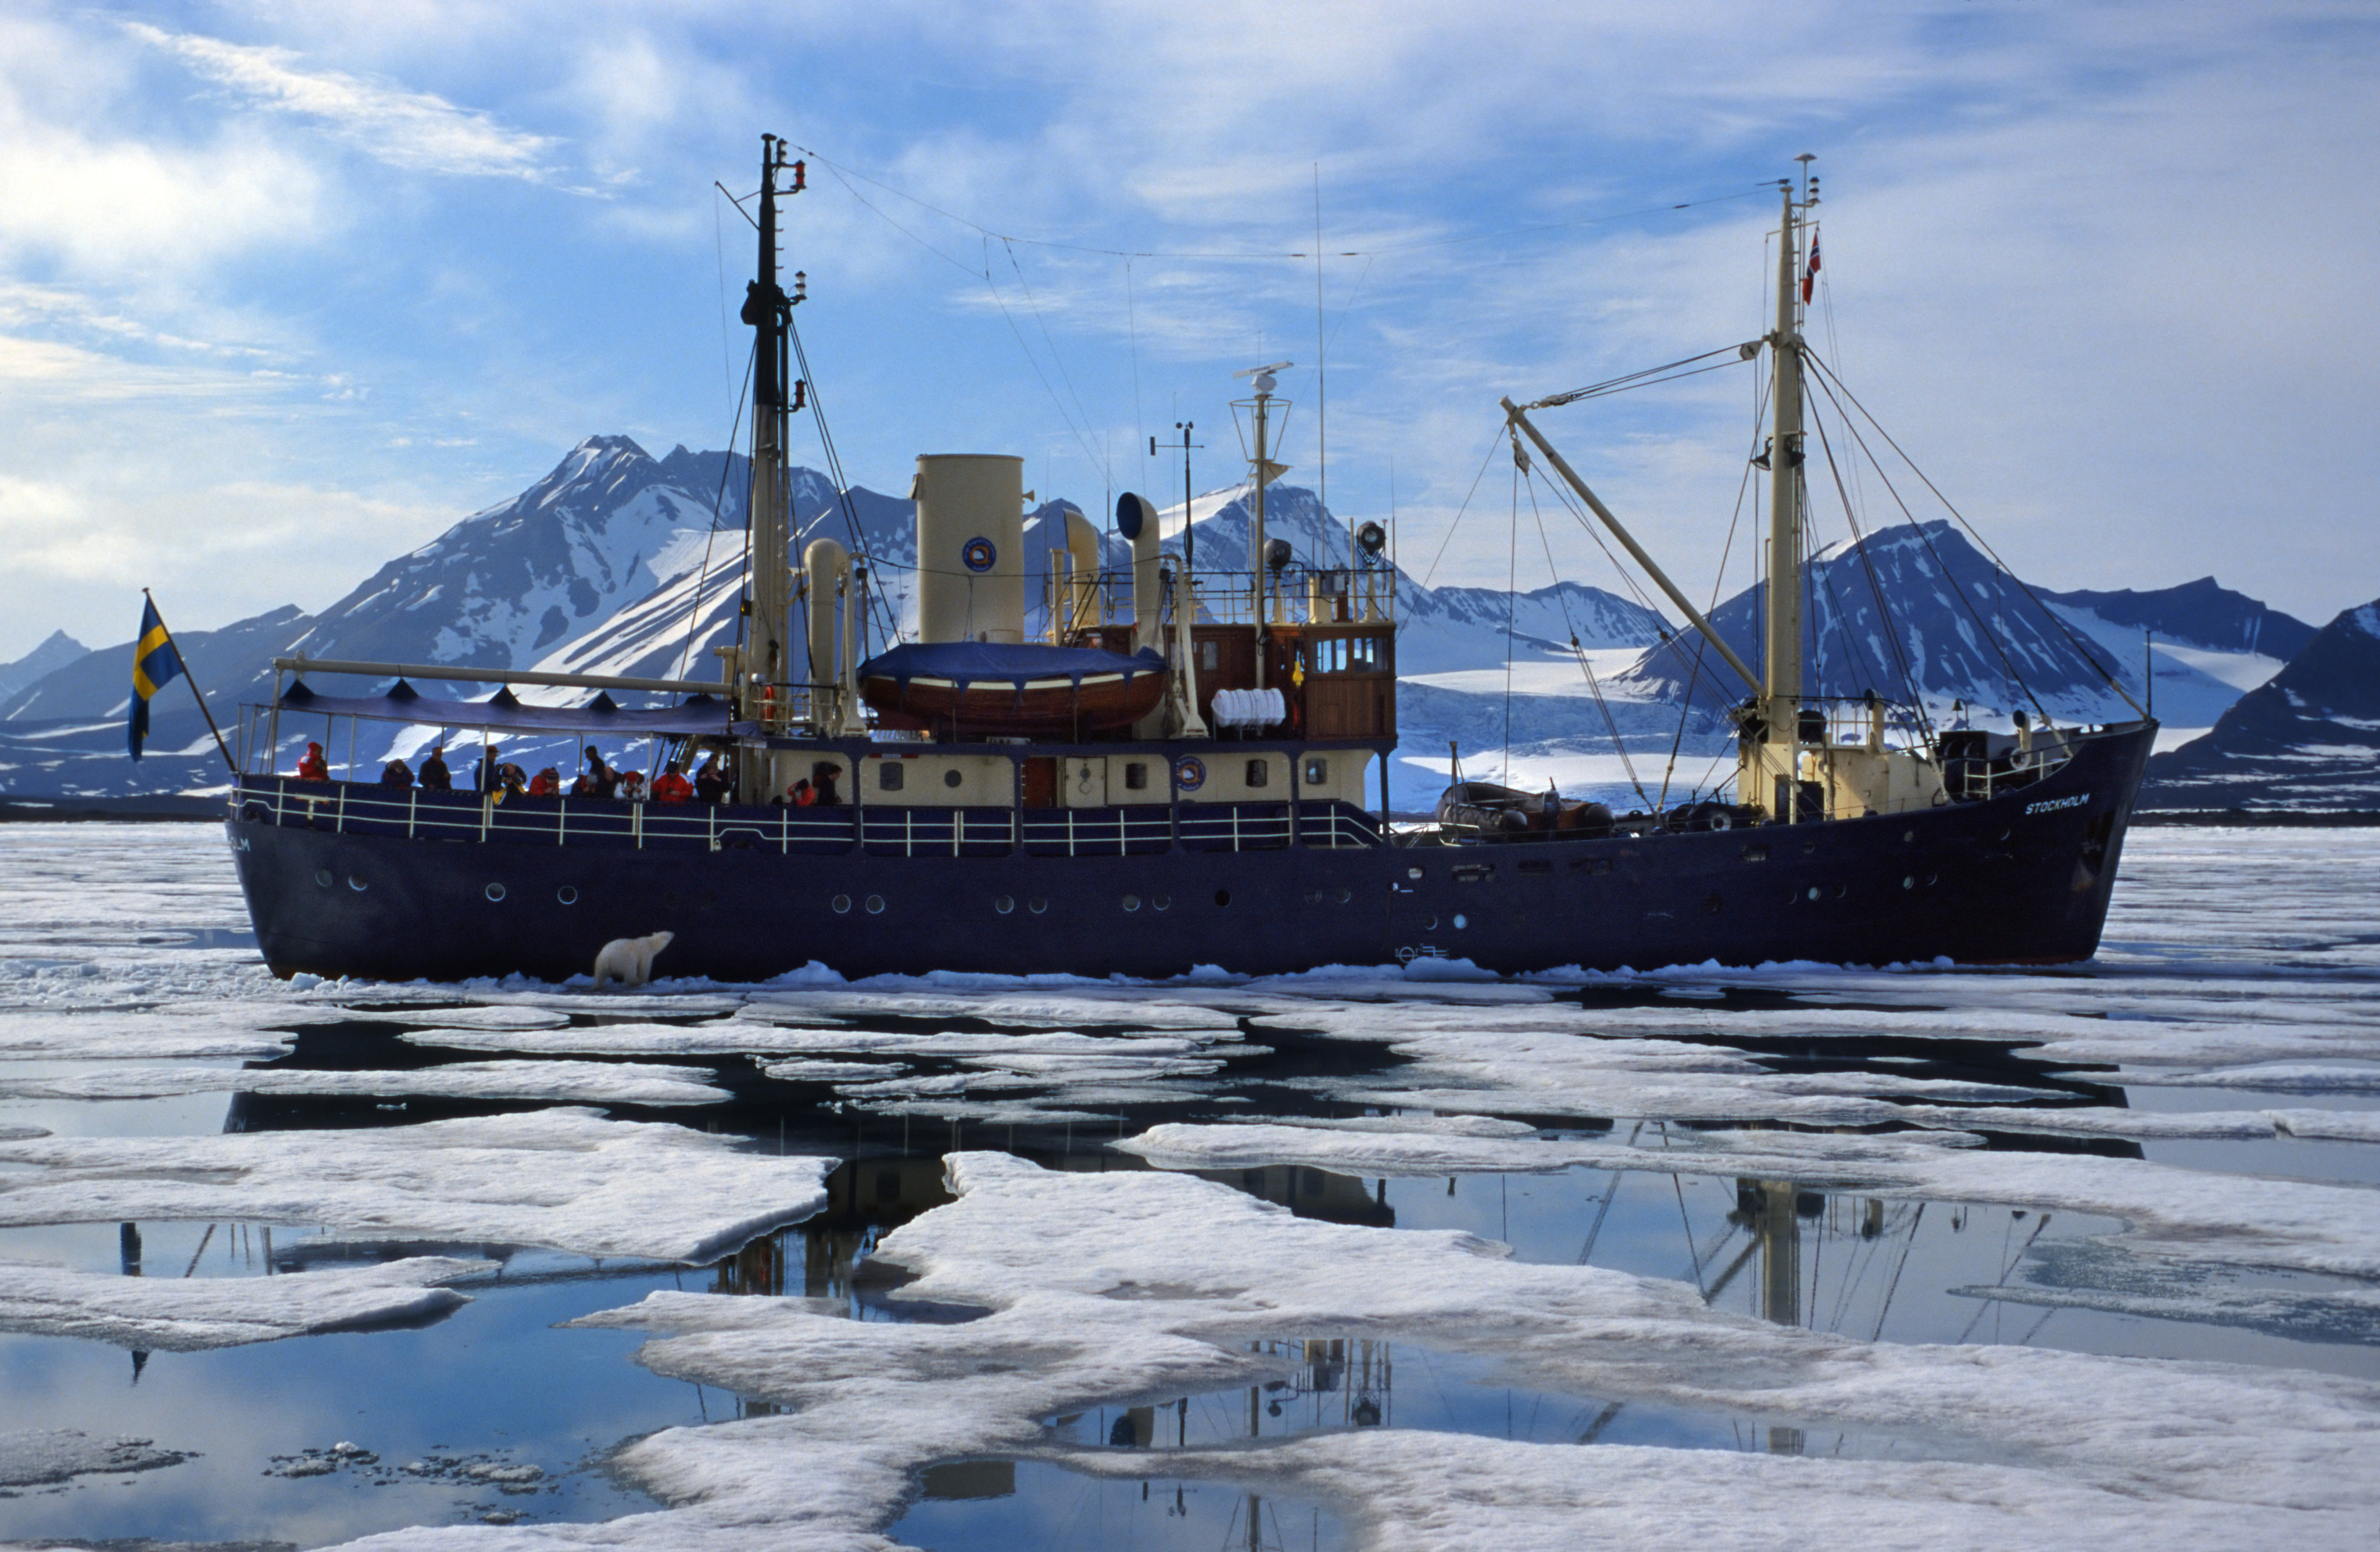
(1917, 609)
(2308, 739)
(40, 663)
(617, 563)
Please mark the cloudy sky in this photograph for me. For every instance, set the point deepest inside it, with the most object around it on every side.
(286, 287)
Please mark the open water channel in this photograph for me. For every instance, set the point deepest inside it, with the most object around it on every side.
(1417, 1244)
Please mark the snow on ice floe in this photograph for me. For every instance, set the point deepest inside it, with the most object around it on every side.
(1122, 1287)
(571, 1082)
(187, 1315)
(565, 1180)
(203, 1033)
(46, 1457)
(2230, 1219)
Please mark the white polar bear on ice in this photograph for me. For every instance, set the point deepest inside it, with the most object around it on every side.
(630, 959)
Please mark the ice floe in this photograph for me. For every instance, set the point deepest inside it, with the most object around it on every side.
(2233, 1219)
(1136, 1287)
(37, 1457)
(573, 1082)
(185, 1314)
(564, 1178)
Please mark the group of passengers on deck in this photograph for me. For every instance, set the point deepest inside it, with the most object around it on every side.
(500, 779)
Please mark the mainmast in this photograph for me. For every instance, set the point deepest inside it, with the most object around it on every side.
(765, 680)
(1782, 689)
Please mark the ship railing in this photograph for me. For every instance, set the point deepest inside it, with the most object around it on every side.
(417, 813)
(1295, 595)
(1979, 778)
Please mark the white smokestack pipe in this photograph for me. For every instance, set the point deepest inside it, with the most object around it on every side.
(826, 571)
(1137, 520)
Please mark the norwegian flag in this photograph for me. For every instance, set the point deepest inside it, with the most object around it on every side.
(1810, 273)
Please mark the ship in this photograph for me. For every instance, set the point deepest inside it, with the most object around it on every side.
(1187, 773)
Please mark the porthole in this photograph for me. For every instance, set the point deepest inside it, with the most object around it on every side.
(952, 777)
(1036, 905)
(1933, 879)
(1131, 902)
(1429, 924)
(842, 903)
(1813, 891)
(1461, 921)
(357, 884)
(874, 904)
(1908, 836)
(1413, 872)
(1341, 894)
(1909, 882)
(495, 891)
(1841, 889)
(1161, 902)
(1311, 897)
(1222, 897)
(567, 894)
(1004, 903)
(322, 877)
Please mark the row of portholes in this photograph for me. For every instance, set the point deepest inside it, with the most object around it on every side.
(1817, 892)
(873, 905)
(1461, 921)
(324, 877)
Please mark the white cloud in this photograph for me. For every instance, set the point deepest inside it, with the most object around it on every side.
(415, 130)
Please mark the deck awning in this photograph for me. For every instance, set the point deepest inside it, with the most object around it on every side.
(403, 703)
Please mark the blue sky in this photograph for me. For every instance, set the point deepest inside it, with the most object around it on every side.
(287, 288)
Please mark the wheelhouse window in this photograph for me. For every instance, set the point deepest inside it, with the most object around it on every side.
(888, 775)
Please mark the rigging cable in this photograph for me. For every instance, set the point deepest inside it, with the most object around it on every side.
(2047, 611)
(1594, 685)
(1876, 587)
(1990, 638)
(718, 506)
(841, 486)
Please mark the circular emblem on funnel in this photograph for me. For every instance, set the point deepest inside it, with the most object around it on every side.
(978, 555)
(1189, 773)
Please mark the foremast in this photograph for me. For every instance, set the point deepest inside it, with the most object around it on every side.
(1769, 765)
(761, 668)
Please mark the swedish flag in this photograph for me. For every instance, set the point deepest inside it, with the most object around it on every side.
(156, 661)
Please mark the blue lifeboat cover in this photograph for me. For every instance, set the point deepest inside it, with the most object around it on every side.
(995, 662)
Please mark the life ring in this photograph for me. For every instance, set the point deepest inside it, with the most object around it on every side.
(1189, 773)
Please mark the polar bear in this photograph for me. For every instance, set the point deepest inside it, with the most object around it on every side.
(630, 959)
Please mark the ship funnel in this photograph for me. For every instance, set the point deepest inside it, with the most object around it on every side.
(826, 573)
(970, 547)
(1137, 520)
(1082, 590)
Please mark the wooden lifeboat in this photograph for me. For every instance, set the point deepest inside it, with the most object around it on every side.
(977, 689)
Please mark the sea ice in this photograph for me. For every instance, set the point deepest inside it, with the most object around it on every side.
(185, 1314)
(1131, 1286)
(37, 1457)
(564, 1178)
(2233, 1220)
(578, 1082)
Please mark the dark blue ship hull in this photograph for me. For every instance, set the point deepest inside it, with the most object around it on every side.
(2023, 878)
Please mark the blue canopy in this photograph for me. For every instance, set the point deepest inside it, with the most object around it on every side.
(403, 703)
(992, 662)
